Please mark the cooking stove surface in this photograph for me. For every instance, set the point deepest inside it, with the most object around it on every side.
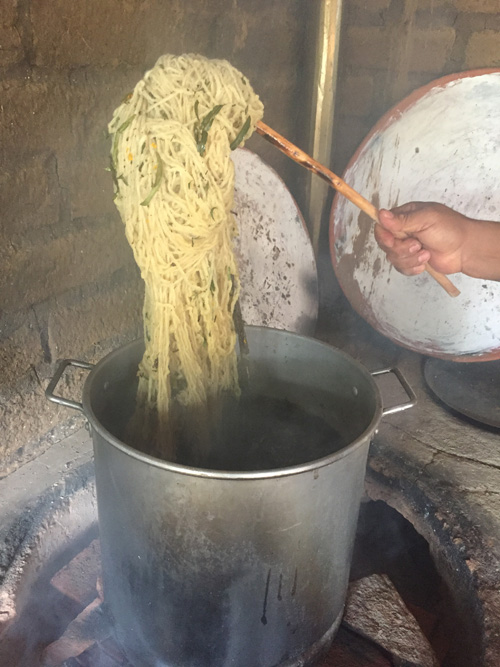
(348, 650)
(69, 625)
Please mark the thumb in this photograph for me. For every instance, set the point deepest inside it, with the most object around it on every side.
(392, 223)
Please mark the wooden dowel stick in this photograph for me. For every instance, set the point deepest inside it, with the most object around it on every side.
(341, 186)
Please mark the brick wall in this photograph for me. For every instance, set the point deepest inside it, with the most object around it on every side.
(391, 47)
(68, 284)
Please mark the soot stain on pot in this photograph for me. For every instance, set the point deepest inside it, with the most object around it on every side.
(263, 618)
(279, 596)
(208, 612)
(294, 586)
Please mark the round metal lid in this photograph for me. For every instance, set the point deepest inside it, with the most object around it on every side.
(442, 143)
(279, 281)
(472, 390)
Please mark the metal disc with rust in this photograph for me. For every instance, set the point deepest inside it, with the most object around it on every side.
(442, 144)
(279, 281)
(472, 389)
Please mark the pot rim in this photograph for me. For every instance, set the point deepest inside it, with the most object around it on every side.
(363, 439)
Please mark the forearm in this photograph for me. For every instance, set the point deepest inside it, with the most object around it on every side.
(481, 251)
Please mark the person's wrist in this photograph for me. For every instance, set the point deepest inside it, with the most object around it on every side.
(469, 251)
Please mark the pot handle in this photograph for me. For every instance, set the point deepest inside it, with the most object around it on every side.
(403, 382)
(49, 392)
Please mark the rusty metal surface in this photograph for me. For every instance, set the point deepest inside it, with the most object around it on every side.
(279, 284)
(440, 144)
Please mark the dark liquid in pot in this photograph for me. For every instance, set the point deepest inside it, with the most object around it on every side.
(254, 433)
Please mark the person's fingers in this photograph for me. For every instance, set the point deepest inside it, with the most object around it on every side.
(415, 271)
(384, 238)
(408, 262)
(415, 217)
(405, 248)
(409, 208)
(389, 221)
(423, 257)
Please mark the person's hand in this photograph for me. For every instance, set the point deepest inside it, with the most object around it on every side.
(428, 233)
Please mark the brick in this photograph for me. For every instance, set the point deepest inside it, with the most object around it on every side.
(77, 580)
(98, 92)
(492, 22)
(433, 4)
(361, 16)
(89, 185)
(483, 49)
(372, 48)
(111, 648)
(37, 115)
(436, 17)
(350, 132)
(79, 326)
(81, 170)
(30, 196)
(11, 50)
(31, 275)
(430, 49)
(107, 33)
(25, 417)
(78, 637)
(466, 24)
(30, 423)
(94, 656)
(367, 47)
(20, 351)
(9, 12)
(373, 5)
(487, 6)
(356, 95)
(9, 323)
(252, 43)
(58, 113)
(375, 610)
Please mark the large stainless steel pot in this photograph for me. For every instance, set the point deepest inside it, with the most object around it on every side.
(210, 568)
